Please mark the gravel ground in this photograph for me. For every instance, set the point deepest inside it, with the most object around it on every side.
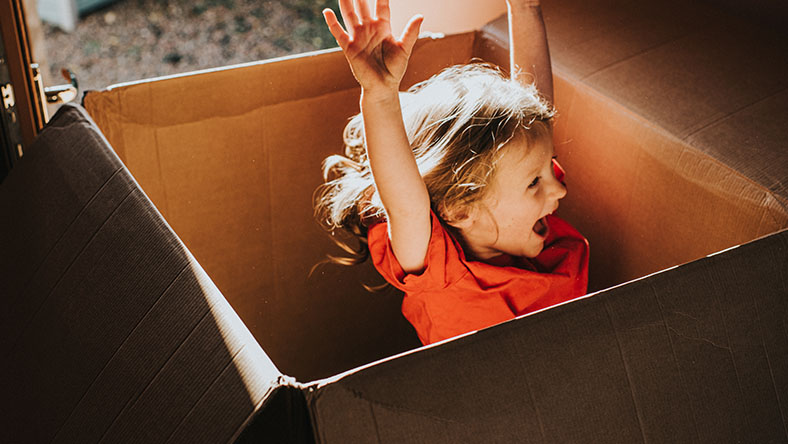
(137, 39)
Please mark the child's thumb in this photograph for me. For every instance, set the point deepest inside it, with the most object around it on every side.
(411, 32)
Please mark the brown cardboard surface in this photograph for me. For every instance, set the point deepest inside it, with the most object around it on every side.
(696, 353)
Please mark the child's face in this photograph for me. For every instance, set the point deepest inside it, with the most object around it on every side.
(523, 190)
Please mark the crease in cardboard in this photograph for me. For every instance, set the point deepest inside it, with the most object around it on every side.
(716, 317)
(698, 338)
(720, 309)
(269, 208)
(204, 322)
(784, 281)
(120, 349)
(132, 401)
(769, 361)
(531, 396)
(69, 227)
(676, 362)
(588, 78)
(374, 421)
(780, 402)
(160, 188)
(206, 390)
(701, 126)
(162, 182)
(23, 331)
(106, 118)
(630, 383)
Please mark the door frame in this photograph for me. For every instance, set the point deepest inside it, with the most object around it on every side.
(19, 59)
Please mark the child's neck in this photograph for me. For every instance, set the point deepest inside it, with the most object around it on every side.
(502, 260)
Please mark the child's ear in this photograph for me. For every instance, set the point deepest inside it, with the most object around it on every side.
(458, 216)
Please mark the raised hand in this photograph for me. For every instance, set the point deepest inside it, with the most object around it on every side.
(377, 59)
(528, 50)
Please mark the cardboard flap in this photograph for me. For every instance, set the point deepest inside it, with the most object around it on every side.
(110, 329)
(695, 353)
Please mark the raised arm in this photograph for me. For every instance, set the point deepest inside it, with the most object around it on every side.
(528, 49)
(378, 61)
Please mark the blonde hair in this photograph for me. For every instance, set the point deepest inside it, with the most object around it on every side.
(457, 122)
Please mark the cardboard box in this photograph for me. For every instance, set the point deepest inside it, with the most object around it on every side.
(112, 332)
(230, 157)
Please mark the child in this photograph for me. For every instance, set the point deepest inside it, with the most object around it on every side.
(453, 185)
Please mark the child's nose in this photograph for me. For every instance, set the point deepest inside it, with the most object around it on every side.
(557, 189)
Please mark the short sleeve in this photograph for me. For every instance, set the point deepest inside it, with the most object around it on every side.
(442, 265)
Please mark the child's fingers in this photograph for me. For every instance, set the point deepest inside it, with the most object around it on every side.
(382, 10)
(348, 11)
(362, 6)
(339, 34)
(411, 33)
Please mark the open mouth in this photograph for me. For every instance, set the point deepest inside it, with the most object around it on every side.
(541, 228)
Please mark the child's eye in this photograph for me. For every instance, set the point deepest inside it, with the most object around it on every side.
(535, 182)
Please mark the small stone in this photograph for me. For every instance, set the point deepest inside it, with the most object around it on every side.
(172, 58)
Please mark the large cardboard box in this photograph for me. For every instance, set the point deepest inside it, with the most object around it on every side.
(112, 332)
(230, 158)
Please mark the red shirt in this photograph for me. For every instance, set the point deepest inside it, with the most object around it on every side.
(454, 295)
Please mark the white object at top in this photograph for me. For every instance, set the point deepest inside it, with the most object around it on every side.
(446, 16)
(61, 13)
